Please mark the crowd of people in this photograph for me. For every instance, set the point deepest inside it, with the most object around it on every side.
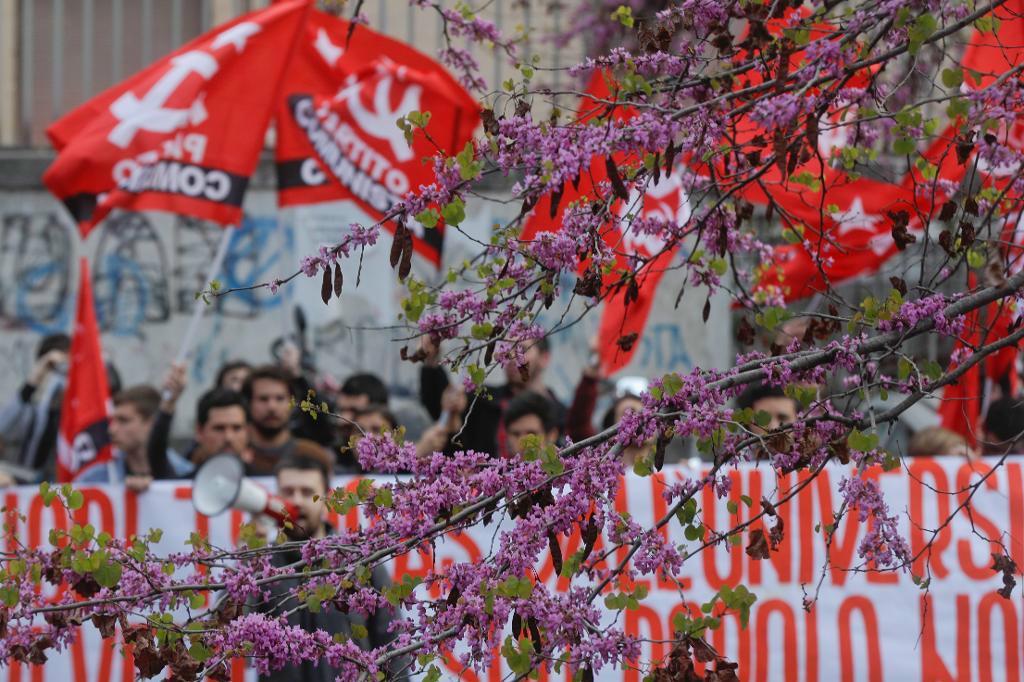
(251, 412)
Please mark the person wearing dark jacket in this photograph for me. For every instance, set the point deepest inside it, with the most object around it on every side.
(304, 482)
(222, 425)
(484, 429)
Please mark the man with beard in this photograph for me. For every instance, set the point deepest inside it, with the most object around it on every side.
(268, 392)
(304, 482)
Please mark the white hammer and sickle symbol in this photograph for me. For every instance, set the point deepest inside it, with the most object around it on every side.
(150, 114)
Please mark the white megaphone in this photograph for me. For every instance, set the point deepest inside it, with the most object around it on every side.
(220, 484)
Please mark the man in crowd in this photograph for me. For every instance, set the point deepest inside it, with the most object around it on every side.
(130, 425)
(529, 414)
(359, 392)
(29, 422)
(485, 427)
(222, 425)
(232, 375)
(1004, 427)
(304, 481)
(781, 409)
(268, 392)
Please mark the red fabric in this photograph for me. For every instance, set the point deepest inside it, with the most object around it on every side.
(845, 222)
(988, 56)
(540, 219)
(855, 237)
(359, 153)
(960, 409)
(620, 320)
(776, 183)
(183, 135)
(992, 54)
(666, 200)
(83, 441)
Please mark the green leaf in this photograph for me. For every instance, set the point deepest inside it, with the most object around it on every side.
(642, 466)
(455, 212)
(75, 499)
(9, 595)
(383, 498)
(419, 118)
(904, 146)
(482, 331)
(199, 652)
(732, 506)
(364, 489)
(551, 462)
(931, 369)
(359, 631)
(922, 29)
(862, 442)
(433, 674)
(108, 574)
(975, 258)
(428, 217)
(469, 168)
(762, 418)
(958, 106)
(903, 369)
(624, 15)
(476, 374)
(672, 383)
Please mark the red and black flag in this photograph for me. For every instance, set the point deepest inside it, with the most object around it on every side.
(337, 132)
(83, 441)
(185, 134)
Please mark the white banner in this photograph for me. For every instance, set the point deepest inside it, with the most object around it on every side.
(863, 626)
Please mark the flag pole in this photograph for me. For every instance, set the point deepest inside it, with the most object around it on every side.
(188, 339)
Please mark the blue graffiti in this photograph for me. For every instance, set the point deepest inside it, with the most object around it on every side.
(663, 349)
(123, 293)
(252, 258)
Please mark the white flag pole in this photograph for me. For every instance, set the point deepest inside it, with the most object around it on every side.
(188, 339)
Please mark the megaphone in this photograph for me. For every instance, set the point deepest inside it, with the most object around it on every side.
(220, 484)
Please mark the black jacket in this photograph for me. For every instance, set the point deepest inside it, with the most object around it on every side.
(484, 429)
(329, 620)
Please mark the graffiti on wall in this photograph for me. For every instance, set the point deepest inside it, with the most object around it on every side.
(36, 256)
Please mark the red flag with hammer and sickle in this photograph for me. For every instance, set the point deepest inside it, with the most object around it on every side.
(337, 138)
(183, 135)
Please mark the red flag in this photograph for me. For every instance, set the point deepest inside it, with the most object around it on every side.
(183, 135)
(83, 441)
(541, 218)
(992, 53)
(627, 307)
(794, 177)
(963, 402)
(336, 122)
(622, 322)
(849, 228)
